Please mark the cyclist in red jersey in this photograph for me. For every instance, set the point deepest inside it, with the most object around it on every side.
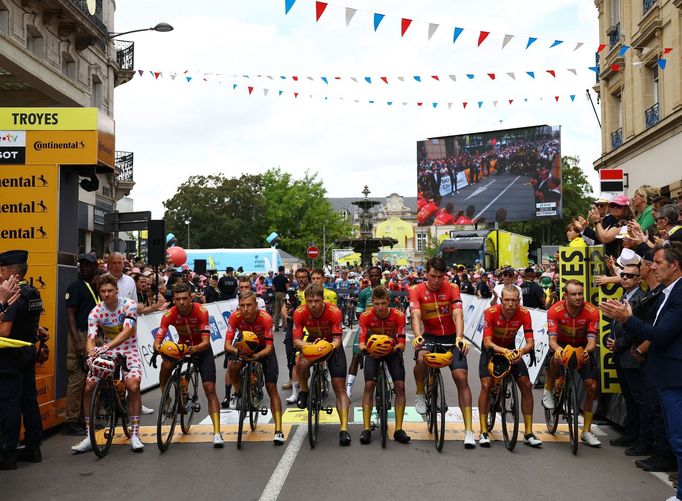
(437, 304)
(574, 321)
(322, 320)
(190, 320)
(380, 319)
(250, 318)
(502, 322)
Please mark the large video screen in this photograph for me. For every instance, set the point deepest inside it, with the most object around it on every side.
(504, 175)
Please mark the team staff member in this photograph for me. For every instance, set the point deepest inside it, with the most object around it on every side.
(80, 300)
(191, 322)
(228, 284)
(322, 320)
(292, 302)
(437, 304)
(116, 318)
(574, 321)
(380, 319)
(253, 319)
(18, 397)
(364, 303)
(502, 322)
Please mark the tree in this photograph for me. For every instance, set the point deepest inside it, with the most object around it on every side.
(576, 191)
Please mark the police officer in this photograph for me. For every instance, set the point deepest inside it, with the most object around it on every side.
(17, 368)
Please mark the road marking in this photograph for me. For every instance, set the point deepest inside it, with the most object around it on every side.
(498, 196)
(279, 476)
(480, 190)
(204, 433)
(347, 337)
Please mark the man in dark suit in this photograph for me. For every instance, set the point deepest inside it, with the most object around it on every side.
(665, 354)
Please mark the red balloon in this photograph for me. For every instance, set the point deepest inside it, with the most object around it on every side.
(177, 255)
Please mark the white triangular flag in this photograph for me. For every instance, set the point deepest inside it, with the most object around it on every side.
(495, 103)
(511, 75)
(349, 15)
(507, 39)
(449, 105)
(572, 70)
(453, 77)
(578, 45)
(402, 79)
(432, 29)
(265, 92)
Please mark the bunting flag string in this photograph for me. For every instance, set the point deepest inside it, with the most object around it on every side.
(406, 23)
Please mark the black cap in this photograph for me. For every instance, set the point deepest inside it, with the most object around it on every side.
(529, 270)
(649, 255)
(229, 269)
(89, 257)
(13, 257)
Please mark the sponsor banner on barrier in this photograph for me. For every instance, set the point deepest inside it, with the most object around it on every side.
(609, 378)
(573, 265)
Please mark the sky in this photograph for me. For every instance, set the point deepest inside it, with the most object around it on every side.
(177, 129)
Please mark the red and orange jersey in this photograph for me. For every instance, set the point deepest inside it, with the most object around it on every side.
(191, 328)
(503, 330)
(327, 326)
(436, 307)
(393, 325)
(261, 326)
(573, 330)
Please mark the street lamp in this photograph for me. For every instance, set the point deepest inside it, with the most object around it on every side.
(160, 27)
(187, 223)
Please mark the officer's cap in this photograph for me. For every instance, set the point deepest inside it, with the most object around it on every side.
(13, 257)
(89, 257)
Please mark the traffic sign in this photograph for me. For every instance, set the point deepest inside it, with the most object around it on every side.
(313, 252)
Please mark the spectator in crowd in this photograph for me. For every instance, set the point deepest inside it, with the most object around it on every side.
(532, 294)
(608, 228)
(126, 285)
(573, 235)
(643, 204)
(228, 284)
(211, 291)
(507, 279)
(280, 284)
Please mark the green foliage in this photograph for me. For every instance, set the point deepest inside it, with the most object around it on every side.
(576, 191)
(432, 247)
(241, 212)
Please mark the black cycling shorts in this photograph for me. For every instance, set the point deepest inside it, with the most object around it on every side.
(206, 364)
(394, 363)
(517, 370)
(270, 367)
(456, 362)
(336, 363)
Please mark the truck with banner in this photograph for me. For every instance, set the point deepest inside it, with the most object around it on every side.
(492, 248)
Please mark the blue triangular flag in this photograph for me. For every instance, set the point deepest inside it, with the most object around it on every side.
(470, 76)
(594, 68)
(480, 103)
(234, 86)
(389, 103)
(324, 79)
(189, 79)
(623, 50)
(368, 80)
(531, 74)
(572, 96)
(662, 63)
(288, 4)
(458, 32)
(377, 20)
(531, 41)
(435, 104)
(555, 43)
(281, 92)
(418, 78)
(371, 102)
(282, 77)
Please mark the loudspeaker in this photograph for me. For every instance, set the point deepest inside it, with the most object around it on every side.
(200, 266)
(156, 242)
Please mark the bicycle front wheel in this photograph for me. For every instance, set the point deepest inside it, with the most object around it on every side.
(168, 413)
(102, 417)
(382, 403)
(190, 403)
(254, 395)
(314, 404)
(244, 405)
(572, 412)
(510, 413)
(438, 409)
(493, 403)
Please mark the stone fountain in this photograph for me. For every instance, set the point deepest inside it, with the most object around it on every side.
(366, 244)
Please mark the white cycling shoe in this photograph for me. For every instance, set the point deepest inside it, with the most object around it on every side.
(83, 446)
(548, 399)
(590, 439)
(469, 440)
(136, 444)
(218, 441)
(420, 403)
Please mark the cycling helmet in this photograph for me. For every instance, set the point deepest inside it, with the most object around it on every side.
(173, 350)
(498, 366)
(101, 367)
(380, 345)
(248, 343)
(438, 360)
(318, 350)
(572, 358)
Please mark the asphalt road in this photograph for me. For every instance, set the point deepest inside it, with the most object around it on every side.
(511, 192)
(261, 470)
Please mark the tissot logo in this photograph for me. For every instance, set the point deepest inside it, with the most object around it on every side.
(23, 182)
(23, 233)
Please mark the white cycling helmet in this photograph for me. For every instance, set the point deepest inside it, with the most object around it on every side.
(101, 367)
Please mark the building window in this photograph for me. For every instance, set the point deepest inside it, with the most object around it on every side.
(68, 66)
(96, 96)
(646, 5)
(4, 20)
(613, 30)
(35, 43)
(654, 82)
(421, 241)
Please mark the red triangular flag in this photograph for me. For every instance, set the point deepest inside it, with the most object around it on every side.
(250, 90)
(464, 104)
(615, 67)
(556, 98)
(511, 101)
(601, 47)
(482, 36)
(435, 77)
(492, 76)
(384, 79)
(156, 74)
(319, 10)
(552, 72)
(295, 94)
(404, 25)
(667, 50)
(419, 104)
(295, 78)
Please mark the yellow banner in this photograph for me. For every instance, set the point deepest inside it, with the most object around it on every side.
(573, 266)
(48, 118)
(61, 147)
(609, 378)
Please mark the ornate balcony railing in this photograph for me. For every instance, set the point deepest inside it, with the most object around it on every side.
(124, 165)
(651, 117)
(614, 34)
(125, 54)
(616, 138)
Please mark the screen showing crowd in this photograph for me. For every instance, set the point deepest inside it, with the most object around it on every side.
(504, 175)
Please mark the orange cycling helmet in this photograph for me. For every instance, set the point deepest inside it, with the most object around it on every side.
(438, 360)
(499, 366)
(318, 350)
(173, 350)
(572, 358)
(248, 343)
(380, 345)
